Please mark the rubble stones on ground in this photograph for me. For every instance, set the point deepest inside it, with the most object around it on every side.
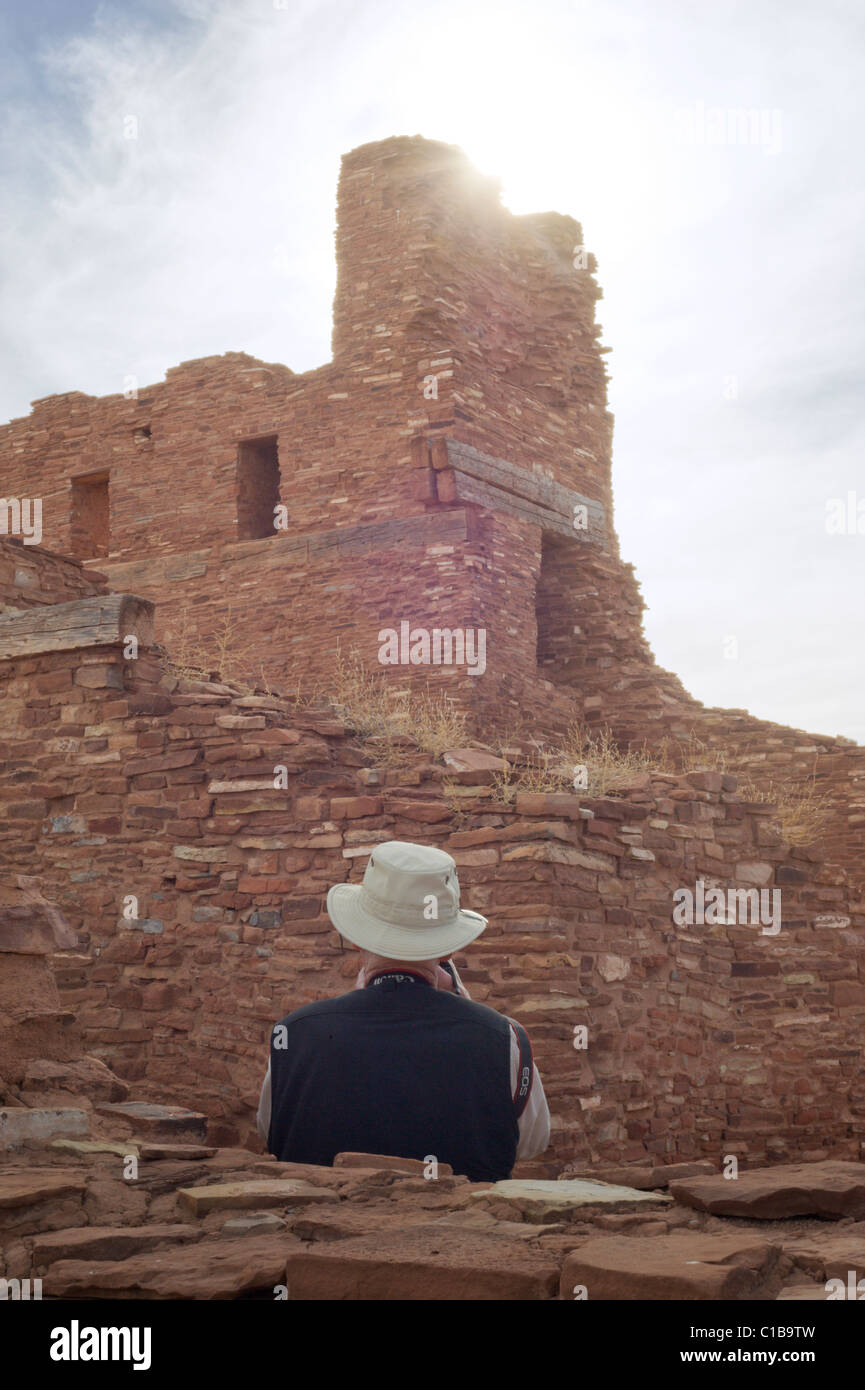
(86, 1076)
(206, 1270)
(421, 1263)
(159, 1121)
(19, 1127)
(681, 1266)
(280, 1192)
(107, 1242)
(540, 1200)
(256, 1223)
(369, 1233)
(827, 1189)
(385, 1161)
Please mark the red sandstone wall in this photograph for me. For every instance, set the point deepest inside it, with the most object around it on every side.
(31, 576)
(117, 781)
(435, 278)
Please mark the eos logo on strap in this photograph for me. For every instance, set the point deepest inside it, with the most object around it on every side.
(525, 1079)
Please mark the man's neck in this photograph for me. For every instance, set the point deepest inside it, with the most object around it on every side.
(374, 965)
(400, 974)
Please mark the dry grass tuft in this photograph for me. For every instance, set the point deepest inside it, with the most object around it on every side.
(395, 723)
(803, 812)
(225, 656)
(587, 762)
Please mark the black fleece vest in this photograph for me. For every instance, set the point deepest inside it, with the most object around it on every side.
(396, 1068)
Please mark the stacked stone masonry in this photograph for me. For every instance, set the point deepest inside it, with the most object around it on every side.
(447, 505)
(430, 473)
(147, 807)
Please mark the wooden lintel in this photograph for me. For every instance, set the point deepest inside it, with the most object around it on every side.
(104, 620)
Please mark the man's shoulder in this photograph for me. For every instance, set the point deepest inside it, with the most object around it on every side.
(479, 1013)
(360, 1000)
(339, 1003)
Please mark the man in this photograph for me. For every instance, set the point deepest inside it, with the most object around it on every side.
(406, 1063)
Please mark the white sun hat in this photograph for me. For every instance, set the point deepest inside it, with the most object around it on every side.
(407, 907)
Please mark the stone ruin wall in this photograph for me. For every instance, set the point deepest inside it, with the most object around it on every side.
(453, 511)
(120, 780)
(398, 505)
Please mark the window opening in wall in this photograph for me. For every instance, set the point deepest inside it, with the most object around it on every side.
(89, 516)
(140, 434)
(257, 487)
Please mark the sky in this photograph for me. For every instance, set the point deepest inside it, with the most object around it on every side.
(168, 179)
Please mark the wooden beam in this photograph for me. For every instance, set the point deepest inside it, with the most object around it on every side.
(105, 620)
(501, 486)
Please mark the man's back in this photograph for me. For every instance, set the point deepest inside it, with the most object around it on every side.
(400, 1068)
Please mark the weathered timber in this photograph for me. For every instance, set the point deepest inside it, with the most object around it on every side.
(102, 621)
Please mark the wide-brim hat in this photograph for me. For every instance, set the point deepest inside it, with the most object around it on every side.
(407, 907)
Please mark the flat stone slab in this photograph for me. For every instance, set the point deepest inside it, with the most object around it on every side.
(390, 1162)
(176, 1151)
(420, 1264)
(108, 1242)
(829, 1254)
(97, 1146)
(830, 1189)
(86, 1077)
(259, 1192)
(257, 1223)
(159, 1121)
(26, 1189)
(210, 1269)
(665, 1173)
(22, 1126)
(487, 1224)
(310, 1172)
(645, 1178)
(810, 1293)
(684, 1266)
(540, 1199)
(639, 1179)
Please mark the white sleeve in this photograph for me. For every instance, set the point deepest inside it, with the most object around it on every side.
(262, 1122)
(534, 1123)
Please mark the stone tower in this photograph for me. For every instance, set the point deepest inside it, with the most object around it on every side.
(449, 469)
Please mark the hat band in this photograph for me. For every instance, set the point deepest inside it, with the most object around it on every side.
(395, 916)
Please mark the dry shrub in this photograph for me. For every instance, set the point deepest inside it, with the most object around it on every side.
(609, 768)
(395, 723)
(803, 812)
(227, 656)
(222, 656)
(454, 803)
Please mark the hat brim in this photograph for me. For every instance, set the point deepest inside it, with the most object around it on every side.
(398, 943)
